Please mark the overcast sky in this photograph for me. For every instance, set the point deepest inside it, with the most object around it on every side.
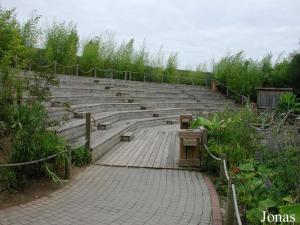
(199, 30)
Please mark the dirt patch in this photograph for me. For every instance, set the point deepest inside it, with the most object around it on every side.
(33, 191)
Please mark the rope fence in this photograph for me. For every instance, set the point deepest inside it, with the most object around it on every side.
(232, 204)
(33, 161)
(122, 74)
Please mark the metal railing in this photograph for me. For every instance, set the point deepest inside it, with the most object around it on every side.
(232, 204)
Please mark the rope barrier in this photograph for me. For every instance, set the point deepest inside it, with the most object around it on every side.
(237, 212)
(225, 170)
(214, 157)
(236, 208)
(32, 162)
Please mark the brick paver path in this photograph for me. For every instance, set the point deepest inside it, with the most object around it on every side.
(110, 195)
(114, 195)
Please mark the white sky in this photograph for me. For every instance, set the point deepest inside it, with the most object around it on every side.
(199, 30)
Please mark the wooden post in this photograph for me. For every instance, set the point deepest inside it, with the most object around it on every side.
(112, 73)
(68, 163)
(95, 72)
(77, 69)
(203, 151)
(55, 67)
(222, 169)
(125, 75)
(144, 77)
(88, 131)
(130, 76)
(297, 125)
(29, 66)
(227, 91)
(162, 78)
(230, 204)
(213, 86)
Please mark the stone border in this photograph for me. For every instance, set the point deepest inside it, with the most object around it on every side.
(215, 204)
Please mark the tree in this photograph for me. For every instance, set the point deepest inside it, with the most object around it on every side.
(62, 43)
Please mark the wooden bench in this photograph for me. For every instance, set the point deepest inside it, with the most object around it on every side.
(128, 136)
(105, 125)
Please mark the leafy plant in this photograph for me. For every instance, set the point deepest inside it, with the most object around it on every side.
(289, 102)
(81, 156)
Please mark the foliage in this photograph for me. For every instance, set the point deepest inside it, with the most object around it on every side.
(230, 134)
(81, 156)
(32, 141)
(62, 43)
(240, 74)
(289, 102)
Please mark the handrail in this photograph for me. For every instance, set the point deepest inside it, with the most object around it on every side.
(231, 186)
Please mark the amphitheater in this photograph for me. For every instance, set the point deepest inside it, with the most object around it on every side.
(133, 182)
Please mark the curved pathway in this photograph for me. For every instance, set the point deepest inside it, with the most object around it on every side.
(113, 195)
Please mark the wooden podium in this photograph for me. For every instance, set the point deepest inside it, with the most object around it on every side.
(191, 147)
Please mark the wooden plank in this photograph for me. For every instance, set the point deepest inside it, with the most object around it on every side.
(170, 160)
(145, 147)
(128, 136)
(164, 159)
(125, 157)
(157, 160)
(151, 145)
(155, 150)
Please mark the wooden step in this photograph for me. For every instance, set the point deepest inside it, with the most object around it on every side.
(104, 125)
(128, 136)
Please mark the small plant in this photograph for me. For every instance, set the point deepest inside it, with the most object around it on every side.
(289, 103)
(81, 156)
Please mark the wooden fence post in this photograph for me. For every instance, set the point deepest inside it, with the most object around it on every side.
(88, 131)
(222, 169)
(227, 91)
(55, 67)
(162, 78)
(68, 163)
(112, 73)
(203, 151)
(230, 204)
(77, 69)
(95, 72)
(144, 77)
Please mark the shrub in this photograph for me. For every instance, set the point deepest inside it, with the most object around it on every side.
(240, 74)
(289, 102)
(81, 156)
(62, 43)
(31, 141)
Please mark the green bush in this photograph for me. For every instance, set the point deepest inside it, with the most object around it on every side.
(289, 102)
(240, 74)
(31, 141)
(230, 134)
(81, 156)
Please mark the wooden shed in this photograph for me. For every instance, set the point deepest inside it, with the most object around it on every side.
(268, 98)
